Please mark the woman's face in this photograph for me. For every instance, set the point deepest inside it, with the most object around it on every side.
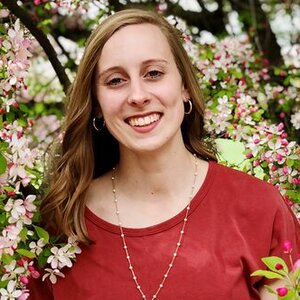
(140, 90)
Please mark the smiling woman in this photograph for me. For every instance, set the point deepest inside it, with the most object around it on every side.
(140, 91)
(137, 185)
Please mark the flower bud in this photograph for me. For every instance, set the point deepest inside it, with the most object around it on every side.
(24, 279)
(35, 274)
(31, 268)
(287, 246)
(282, 291)
(11, 193)
(278, 266)
(249, 155)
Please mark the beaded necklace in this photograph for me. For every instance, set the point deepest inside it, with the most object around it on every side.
(178, 244)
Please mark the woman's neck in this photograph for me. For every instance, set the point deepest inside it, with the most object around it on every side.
(155, 173)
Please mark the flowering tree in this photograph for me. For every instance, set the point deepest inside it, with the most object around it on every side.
(250, 105)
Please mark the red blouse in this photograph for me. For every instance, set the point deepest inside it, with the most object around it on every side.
(234, 220)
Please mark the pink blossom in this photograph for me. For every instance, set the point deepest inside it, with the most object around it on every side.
(25, 295)
(285, 170)
(28, 203)
(4, 13)
(296, 265)
(256, 163)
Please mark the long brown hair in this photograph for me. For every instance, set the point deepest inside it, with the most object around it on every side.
(85, 153)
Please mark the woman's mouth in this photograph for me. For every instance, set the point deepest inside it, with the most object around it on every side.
(144, 120)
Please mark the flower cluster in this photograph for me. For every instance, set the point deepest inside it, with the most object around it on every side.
(239, 94)
(25, 248)
(18, 155)
(14, 63)
(278, 269)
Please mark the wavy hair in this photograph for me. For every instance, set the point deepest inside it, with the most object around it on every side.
(84, 153)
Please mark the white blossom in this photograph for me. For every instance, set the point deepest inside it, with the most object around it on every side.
(11, 292)
(52, 275)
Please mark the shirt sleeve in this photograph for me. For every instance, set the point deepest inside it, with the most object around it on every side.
(286, 227)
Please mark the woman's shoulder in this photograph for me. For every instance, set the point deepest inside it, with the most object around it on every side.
(244, 188)
(239, 178)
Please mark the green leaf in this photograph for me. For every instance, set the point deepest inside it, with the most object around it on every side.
(287, 80)
(6, 258)
(3, 218)
(23, 234)
(42, 258)
(3, 29)
(271, 262)
(3, 164)
(42, 261)
(24, 108)
(259, 173)
(295, 82)
(39, 108)
(257, 115)
(10, 117)
(3, 284)
(48, 6)
(277, 71)
(269, 289)
(267, 274)
(42, 234)
(292, 193)
(25, 252)
(230, 151)
(290, 162)
(3, 146)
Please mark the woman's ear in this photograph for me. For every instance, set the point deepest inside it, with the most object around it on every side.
(185, 94)
(97, 112)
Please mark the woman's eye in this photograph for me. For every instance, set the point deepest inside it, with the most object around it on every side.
(115, 81)
(154, 73)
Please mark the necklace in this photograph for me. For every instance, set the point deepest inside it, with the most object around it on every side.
(178, 244)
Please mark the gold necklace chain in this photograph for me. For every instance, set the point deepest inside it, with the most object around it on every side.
(178, 244)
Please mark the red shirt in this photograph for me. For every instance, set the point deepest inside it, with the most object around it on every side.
(234, 221)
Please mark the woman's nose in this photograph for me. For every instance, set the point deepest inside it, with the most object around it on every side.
(138, 95)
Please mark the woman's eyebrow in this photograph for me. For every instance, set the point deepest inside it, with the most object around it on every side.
(154, 60)
(108, 70)
(145, 62)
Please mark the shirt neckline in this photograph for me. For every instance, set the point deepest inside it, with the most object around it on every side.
(165, 225)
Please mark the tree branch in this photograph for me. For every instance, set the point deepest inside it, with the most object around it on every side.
(40, 36)
(204, 20)
(201, 4)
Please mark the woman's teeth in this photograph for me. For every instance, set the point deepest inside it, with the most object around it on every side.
(143, 121)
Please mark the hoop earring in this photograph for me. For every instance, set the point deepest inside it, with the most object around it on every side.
(190, 107)
(95, 126)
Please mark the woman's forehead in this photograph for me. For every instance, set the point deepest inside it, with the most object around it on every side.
(135, 42)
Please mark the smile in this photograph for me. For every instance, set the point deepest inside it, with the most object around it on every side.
(143, 121)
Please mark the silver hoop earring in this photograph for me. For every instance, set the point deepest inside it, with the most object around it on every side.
(95, 126)
(190, 107)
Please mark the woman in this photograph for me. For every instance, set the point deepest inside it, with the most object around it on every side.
(136, 184)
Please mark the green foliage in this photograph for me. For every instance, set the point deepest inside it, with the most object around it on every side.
(42, 234)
